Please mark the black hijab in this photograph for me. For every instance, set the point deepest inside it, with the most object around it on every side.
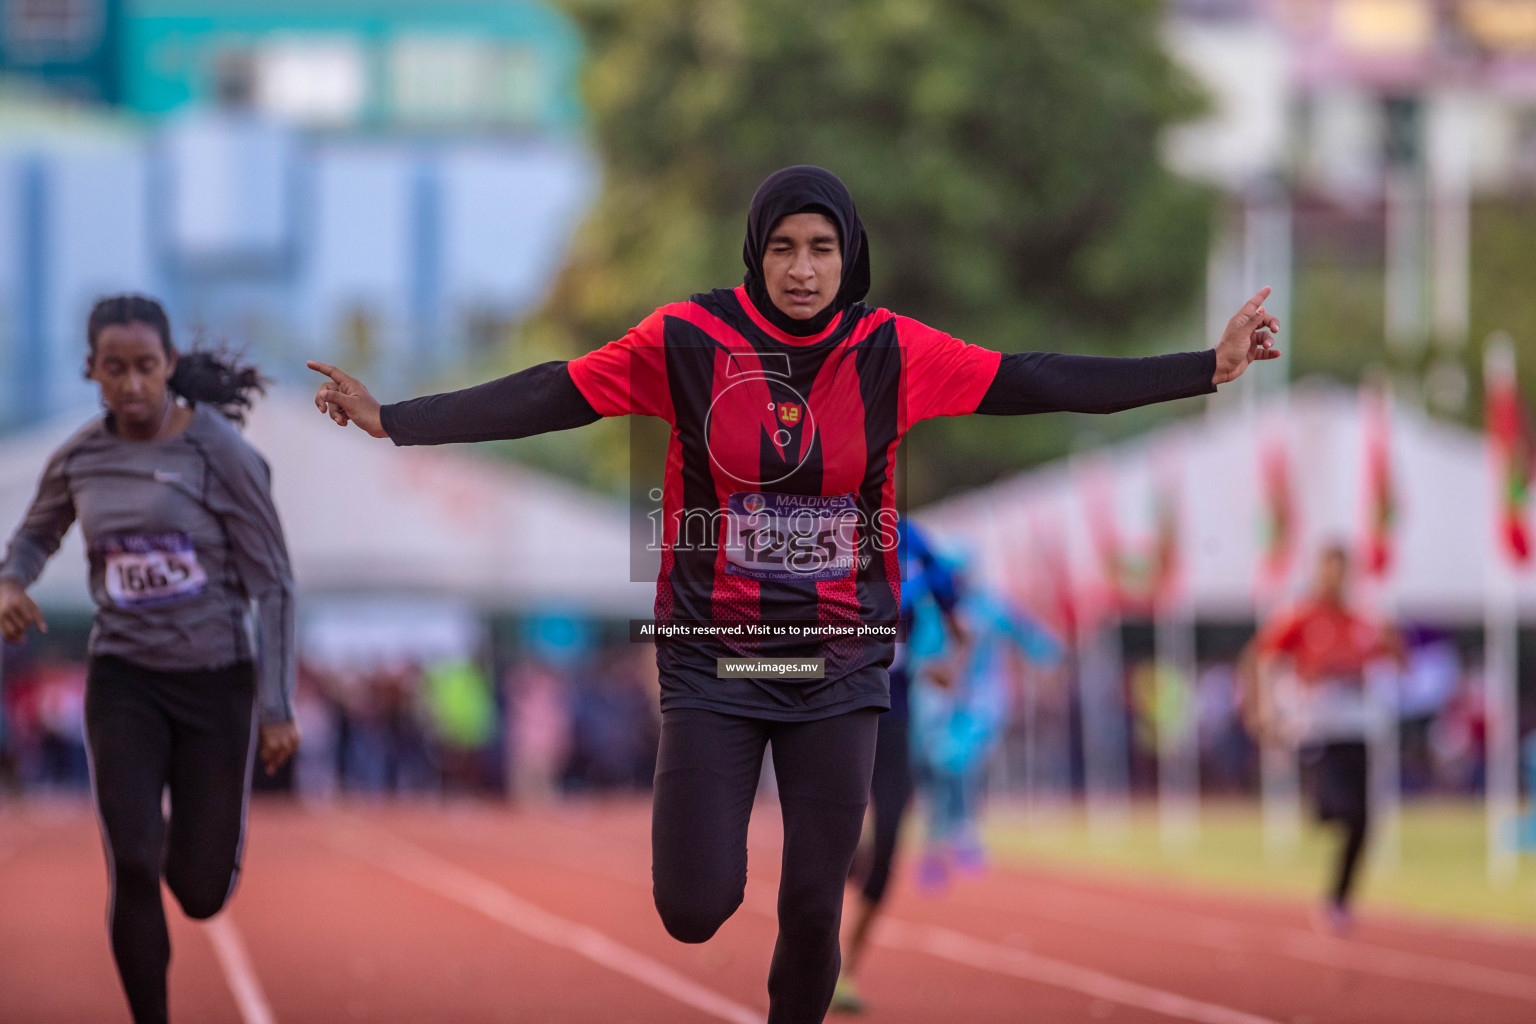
(805, 189)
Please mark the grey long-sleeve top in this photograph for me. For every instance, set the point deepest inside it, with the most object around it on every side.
(183, 541)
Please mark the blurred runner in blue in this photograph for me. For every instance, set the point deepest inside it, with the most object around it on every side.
(927, 592)
(960, 705)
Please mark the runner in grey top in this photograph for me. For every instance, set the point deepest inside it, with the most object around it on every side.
(182, 694)
(183, 538)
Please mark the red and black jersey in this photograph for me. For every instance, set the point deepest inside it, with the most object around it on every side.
(762, 420)
(779, 502)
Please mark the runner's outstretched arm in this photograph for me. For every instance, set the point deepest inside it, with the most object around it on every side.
(239, 494)
(1031, 382)
(532, 401)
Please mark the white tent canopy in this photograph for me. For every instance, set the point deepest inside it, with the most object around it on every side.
(365, 518)
(1443, 537)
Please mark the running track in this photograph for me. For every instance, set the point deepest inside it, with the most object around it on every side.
(473, 913)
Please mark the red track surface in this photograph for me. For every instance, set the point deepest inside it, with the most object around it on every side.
(472, 913)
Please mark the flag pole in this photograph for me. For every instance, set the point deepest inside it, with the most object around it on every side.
(1500, 621)
(1385, 739)
(1173, 637)
(1106, 768)
(1178, 765)
(1268, 258)
(1279, 771)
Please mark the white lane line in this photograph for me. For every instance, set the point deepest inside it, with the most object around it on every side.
(1182, 926)
(446, 879)
(1488, 933)
(229, 950)
(1506, 937)
(987, 956)
(1121, 916)
(1133, 918)
(977, 953)
(1396, 963)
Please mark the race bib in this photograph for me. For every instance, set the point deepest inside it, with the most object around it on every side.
(791, 537)
(151, 569)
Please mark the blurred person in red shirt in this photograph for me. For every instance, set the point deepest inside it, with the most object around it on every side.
(1327, 646)
(60, 707)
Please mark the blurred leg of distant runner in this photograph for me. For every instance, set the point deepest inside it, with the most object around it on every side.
(1342, 798)
(966, 850)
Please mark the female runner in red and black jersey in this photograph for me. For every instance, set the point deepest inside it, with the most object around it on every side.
(787, 397)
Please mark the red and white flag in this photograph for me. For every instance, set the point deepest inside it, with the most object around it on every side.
(1381, 501)
(1510, 439)
(1277, 528)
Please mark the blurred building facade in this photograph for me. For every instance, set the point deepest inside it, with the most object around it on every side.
(390, 184)
(1355, 136)
(1334, 93)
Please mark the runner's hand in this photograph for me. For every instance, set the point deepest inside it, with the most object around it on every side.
(278, 742)
(344, 399)
(18, 612)
(941, 673)
(1249, 337)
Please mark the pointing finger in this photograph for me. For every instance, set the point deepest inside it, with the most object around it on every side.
(1256, 304)
(335, 373)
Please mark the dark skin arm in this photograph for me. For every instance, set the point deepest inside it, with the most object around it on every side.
(18, 612)
(277, 743)
(1248, 338)
(346, 400)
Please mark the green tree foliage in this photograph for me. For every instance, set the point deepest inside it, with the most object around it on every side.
(1003, 153)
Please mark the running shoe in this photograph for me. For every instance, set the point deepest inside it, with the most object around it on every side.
(970, 858)
(846, 998)
(933, 874)
(1334, 919)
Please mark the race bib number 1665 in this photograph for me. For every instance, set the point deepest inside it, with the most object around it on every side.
(151, 569)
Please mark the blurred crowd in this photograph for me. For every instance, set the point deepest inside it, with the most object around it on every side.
(537, 729)
(391, 729)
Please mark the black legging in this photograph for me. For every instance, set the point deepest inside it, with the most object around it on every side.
(1343, 773)
(191, 732)
(889, 794)
(706, 777)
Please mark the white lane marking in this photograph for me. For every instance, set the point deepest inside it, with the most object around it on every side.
(1223, 930)
(1488, 933)
(1200, 929)
(431, 872)
(229, 950)
(1134, 918)
(987, 956)
(1396, 963)
(976, 953)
